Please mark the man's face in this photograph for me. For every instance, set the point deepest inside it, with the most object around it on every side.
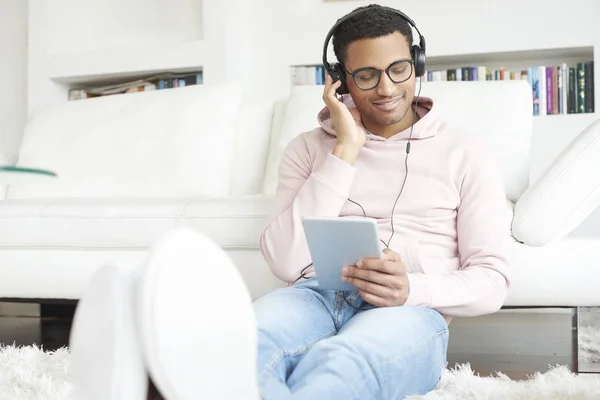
(388, 102)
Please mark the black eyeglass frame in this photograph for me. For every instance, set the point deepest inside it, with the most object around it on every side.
(379, 71)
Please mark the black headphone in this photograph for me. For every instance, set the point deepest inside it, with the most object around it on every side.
(336, 71)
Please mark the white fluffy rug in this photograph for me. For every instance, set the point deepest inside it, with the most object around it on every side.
(557, 383)
(28, 373)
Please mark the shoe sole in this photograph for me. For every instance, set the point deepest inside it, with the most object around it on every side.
(106, 359)
(196, 321)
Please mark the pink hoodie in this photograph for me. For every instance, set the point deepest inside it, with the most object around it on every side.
(452, 222)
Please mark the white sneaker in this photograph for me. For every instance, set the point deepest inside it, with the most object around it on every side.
(106, 361)
(196, 321)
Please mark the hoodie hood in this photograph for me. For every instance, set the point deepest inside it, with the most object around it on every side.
(427, 126)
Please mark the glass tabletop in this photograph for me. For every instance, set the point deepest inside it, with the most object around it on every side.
(11, 174)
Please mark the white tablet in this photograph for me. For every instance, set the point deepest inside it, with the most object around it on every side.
(337, 242)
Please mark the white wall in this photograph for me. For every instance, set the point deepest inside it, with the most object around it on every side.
(13, 72)
(79, 25)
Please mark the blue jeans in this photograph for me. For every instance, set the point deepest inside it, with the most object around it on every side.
(313, 345)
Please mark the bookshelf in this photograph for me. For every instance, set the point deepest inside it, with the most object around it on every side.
(562, 79)
(126, 63)
(513, 59)
(122, 70)
(161, 81)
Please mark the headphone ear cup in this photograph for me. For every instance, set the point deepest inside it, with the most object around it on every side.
(419, 57)
(338, 74)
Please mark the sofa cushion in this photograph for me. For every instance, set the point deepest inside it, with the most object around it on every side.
(275, 153)
(565, 274)
(296, 115)
(65, 273)
(498, 111)
(233, 222)
(252, 137)
(165, 143)
(566, 193)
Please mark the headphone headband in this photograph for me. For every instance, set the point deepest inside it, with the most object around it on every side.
(418, 52)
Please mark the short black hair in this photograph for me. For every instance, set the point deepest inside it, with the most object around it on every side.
(375, 21)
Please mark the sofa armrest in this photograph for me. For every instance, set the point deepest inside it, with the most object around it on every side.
(566, 193)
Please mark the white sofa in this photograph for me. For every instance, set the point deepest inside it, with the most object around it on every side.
(133, 166)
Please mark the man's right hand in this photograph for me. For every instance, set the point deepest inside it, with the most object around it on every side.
(350, 132)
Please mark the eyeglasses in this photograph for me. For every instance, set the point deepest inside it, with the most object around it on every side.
(368, 78)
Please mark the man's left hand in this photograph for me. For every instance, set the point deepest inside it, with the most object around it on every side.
(382, 283)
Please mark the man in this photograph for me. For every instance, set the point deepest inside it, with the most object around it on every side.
(447, 254)
(440, 207)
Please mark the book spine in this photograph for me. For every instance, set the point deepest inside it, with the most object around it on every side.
(535, 88)
(554, 90)
(589, 86)
(452, 74)
(564, 73)
(542, 80)
(482, 73)
(466, 74)
(572, 109)
(593, 91)
(549, 91)
(580, 87)
(559, 90)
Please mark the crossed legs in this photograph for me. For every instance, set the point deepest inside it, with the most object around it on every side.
(312, 344)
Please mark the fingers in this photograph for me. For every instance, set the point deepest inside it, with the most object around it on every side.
(382, 266)
(391, 255)
(329, 93)
(352, 274)
(372, 288)
(373, 299)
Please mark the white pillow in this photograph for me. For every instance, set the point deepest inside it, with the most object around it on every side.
(299, 115)
(498, 112)
(565, 195)
(164, 143)
(251, 146)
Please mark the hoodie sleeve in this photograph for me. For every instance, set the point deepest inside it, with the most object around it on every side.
(305, 188)
(483, 227)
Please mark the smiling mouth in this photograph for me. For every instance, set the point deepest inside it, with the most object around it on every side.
(388, 105)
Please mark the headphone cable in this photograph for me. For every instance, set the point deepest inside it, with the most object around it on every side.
(405, 162)
(387, 245)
